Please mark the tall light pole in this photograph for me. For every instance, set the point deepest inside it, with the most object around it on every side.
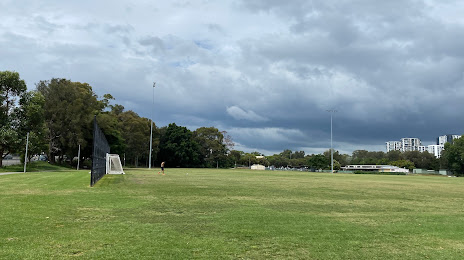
(151, 128)
(331, 111)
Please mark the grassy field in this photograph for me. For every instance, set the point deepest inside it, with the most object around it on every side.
(230, 214)
(33, 167)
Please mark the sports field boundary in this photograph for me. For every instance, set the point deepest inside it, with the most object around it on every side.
(6, 173)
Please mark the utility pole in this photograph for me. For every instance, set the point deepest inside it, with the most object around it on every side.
(25, 156)
(151, 128)
(78, 156)
(331, 111)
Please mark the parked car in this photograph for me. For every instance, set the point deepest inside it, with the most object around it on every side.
(8, 157)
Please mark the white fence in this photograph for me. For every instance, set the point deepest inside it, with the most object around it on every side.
(14, 161)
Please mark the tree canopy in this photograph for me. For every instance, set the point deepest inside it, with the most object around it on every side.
(12, 87)
(178, 148)
(453, 156)
(69, 110)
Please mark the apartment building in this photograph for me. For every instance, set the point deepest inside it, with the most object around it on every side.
(436, 149)
(393, 146)
(406, 144)
(414, 144)
(410, 144)
(423, 148)
(441, 140)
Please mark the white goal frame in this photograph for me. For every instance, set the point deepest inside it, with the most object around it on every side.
(113, 164)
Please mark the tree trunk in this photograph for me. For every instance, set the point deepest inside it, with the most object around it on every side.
(51, 156)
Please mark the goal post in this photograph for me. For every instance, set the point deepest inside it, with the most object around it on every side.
(113, 164)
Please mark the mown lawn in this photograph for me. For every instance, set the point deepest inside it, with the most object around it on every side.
(33, 167)
(230, 214)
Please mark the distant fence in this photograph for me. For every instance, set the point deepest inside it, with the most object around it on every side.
(8, 162)
(424, 171)
(100, 149)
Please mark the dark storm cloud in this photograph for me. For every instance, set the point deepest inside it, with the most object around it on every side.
(404, 58)
(266, 71)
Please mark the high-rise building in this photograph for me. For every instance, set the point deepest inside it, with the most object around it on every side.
(435, 149)
(414, 144)
(393, 146)
(422, 148)
(410, 144)
(441, 140)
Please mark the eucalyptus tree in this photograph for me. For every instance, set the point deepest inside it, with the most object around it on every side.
(11, 88)
(211, 146)
(69, 110)
(30, 114)
(135, 131)
(178, 147)
(453, 156)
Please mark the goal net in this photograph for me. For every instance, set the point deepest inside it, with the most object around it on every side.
(113, 164)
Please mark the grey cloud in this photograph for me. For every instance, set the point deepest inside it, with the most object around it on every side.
(44, 24)
(212, 27)
(240, 114)
(119, 28)
(268, 138)
(391, 68)
(154, 42)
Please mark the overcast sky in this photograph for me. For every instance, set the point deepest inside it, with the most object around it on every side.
(265, 71)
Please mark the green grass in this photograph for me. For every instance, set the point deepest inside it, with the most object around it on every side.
(230, 214)
(33, 167)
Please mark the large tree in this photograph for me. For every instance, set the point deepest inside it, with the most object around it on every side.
(342, 159)
(235, 156)
(178, 148)
(11, 87)
(135, 131)
(319, 161)
(111, 124)
(279, 160)
(422, 160)
(69, 110)
(30, 114)
(454, 156)
(212, 147)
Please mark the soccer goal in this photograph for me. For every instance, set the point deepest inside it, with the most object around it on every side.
(113, 164)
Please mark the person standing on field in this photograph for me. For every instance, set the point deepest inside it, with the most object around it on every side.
(162, 168)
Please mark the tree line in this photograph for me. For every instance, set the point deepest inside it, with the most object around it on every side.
(451, 159)
(298, 159)
(58, 116)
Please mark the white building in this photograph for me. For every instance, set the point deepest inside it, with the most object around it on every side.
(414, 144)
(435, 149)
(423, 148)
(374, 168)
(410, 144)
(441, 140)
(258, 167)
(393, 146)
